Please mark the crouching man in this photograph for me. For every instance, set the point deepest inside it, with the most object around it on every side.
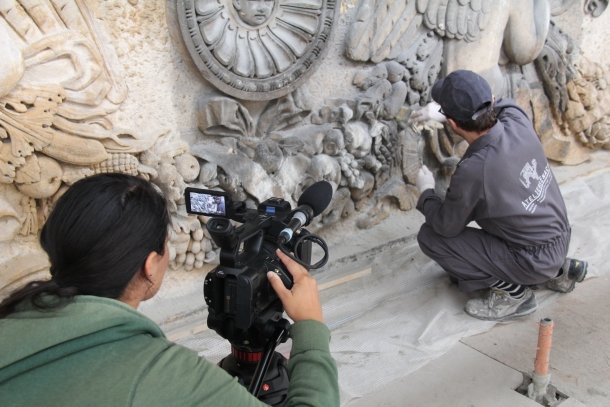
(505, 184)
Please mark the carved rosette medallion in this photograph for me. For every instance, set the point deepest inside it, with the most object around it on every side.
(257, 49)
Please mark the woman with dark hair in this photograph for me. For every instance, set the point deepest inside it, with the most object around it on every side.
(77, 339)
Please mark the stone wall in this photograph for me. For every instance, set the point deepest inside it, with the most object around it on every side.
(91, 86)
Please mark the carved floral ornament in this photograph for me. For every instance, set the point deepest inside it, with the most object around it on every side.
(256, 49)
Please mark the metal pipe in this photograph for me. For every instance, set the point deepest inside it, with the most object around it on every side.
(545, 340)
(537, 390)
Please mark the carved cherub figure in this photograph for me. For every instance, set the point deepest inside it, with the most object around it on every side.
(254, 12)
(479, 35)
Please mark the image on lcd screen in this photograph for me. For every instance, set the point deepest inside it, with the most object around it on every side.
(209, 204)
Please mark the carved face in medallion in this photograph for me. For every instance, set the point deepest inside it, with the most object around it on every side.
(254, 12)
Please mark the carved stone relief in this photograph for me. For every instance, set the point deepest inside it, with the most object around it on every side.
(559, 7)
(59, 84)
(595, 7)
(578, 92)
(497, 39)
(355, 144)
(257, 49)
(479, 35)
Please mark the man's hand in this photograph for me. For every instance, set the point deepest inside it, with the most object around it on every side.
(302, 302)
(429, 112)
(425, 179)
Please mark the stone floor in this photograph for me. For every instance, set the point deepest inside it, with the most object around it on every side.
(484, 369)
(400, 336)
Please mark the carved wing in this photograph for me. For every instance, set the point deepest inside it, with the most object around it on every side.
(460, 19)
(381, 29)
(385, 29)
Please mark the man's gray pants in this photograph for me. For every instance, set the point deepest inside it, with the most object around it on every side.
(477, 259)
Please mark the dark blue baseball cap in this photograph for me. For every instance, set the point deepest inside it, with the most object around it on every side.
(462, 94)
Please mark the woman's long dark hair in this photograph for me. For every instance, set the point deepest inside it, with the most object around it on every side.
(97, 237)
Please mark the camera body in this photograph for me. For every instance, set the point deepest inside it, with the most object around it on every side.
(242, 306)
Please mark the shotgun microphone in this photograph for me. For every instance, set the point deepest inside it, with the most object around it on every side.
(312, 202)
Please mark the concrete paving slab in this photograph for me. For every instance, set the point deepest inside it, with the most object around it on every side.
(463, 377)
(572, 403)
(580, 357)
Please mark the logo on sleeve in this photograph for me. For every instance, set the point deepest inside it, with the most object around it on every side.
(529, 177)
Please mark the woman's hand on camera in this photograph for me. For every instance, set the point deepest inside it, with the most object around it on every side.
(302, 302)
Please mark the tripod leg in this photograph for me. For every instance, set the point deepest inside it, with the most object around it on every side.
(274, 387)
(263, 365)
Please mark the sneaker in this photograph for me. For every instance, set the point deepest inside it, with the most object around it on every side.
(500, 306)
(573, 271)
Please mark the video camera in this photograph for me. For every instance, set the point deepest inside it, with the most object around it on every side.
(242, 306)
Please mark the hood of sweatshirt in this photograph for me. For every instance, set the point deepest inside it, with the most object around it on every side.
(30, 338)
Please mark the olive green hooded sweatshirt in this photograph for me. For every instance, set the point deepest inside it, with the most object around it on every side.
(100, 352)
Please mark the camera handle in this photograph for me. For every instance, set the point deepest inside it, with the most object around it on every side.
(280, 336)
(302, 238)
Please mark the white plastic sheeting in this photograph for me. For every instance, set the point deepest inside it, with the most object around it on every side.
(400, 311)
